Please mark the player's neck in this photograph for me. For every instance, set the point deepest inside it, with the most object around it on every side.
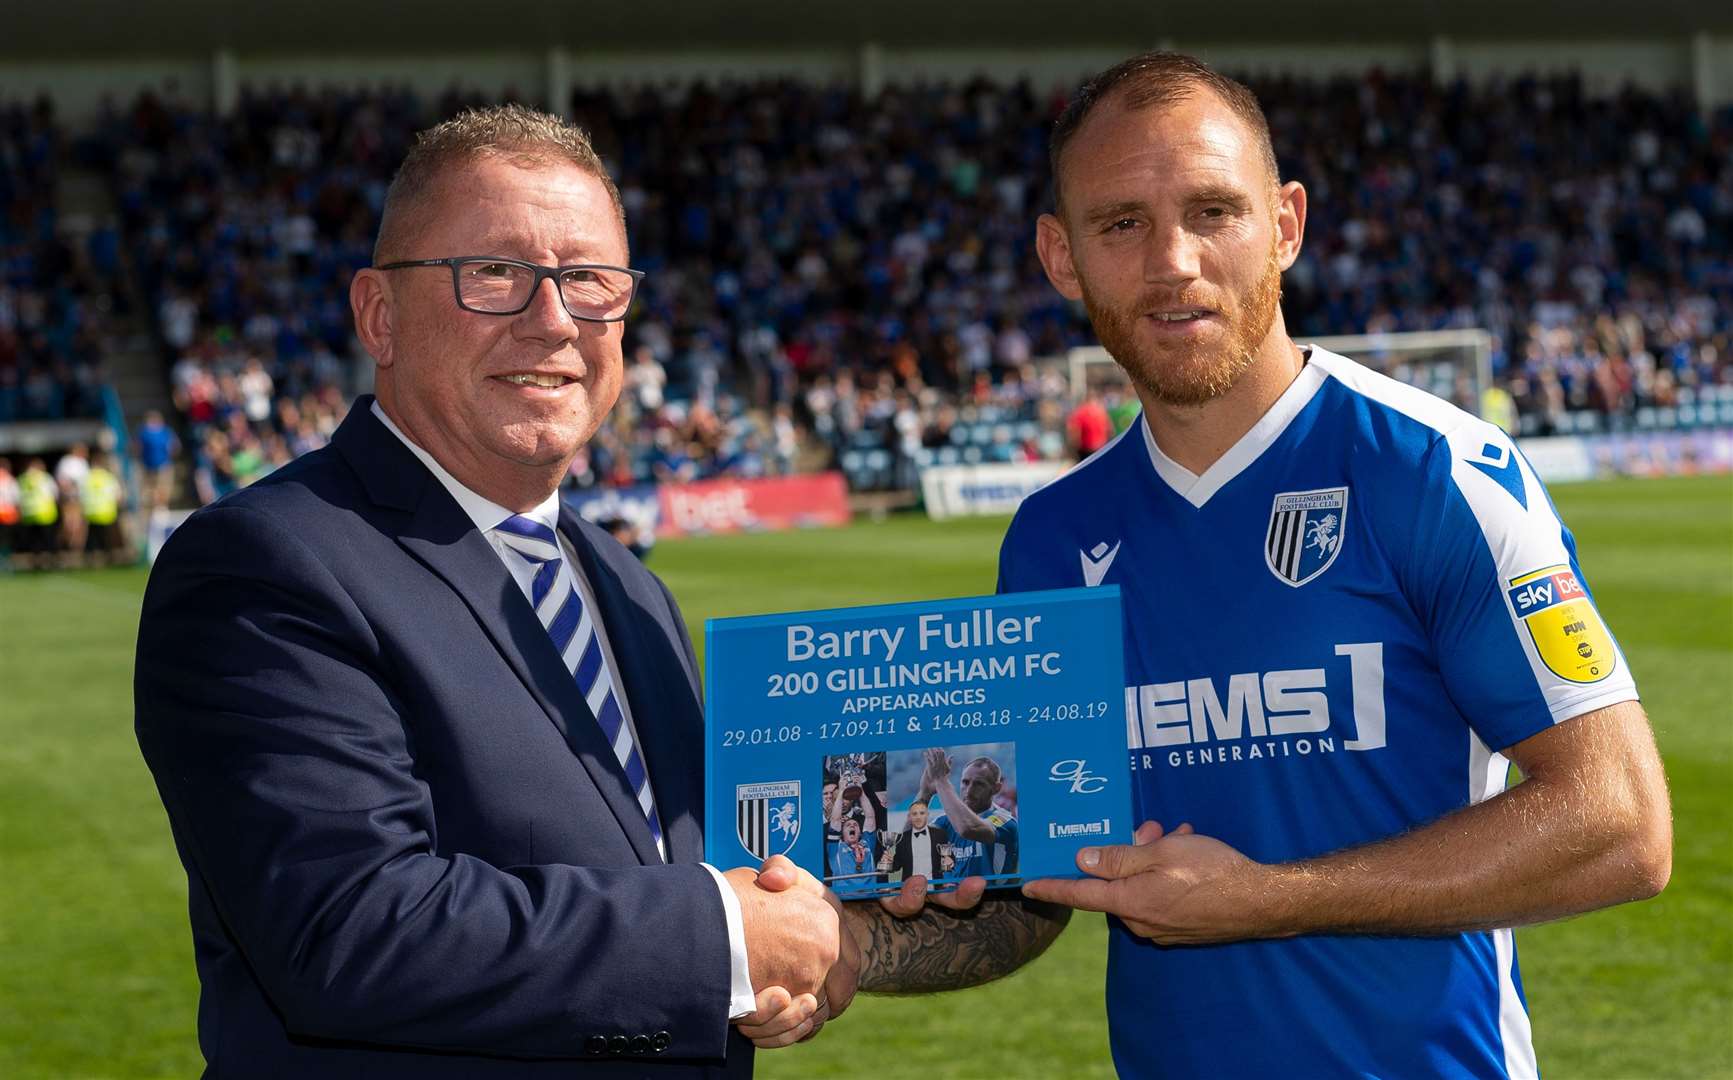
(1196, 436)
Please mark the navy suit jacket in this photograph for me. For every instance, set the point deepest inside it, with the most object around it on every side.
(409, 850)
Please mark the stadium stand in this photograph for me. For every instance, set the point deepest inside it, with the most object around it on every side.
(57, 284)
(844, 281)
(63, 301)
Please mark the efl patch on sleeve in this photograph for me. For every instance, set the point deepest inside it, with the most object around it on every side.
(1566, 629)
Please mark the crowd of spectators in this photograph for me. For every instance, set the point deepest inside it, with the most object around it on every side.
(832, 274)
(59, 285)
(1593, 237)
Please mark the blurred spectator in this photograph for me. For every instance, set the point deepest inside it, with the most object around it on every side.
(103, 498)
(1088, 427)
(629, 535)
(213, 469)
(645, 379)
(158, 450)
(1123, 408)
(70, 472)
(9, 496)
(38, 516)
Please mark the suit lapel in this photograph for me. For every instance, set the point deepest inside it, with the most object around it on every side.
(669, 727)
(443, 537)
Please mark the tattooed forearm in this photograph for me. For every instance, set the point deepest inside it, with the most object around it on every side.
(949, 950)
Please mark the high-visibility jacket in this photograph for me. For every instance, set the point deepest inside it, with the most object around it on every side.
(100, 494)
(36, 505)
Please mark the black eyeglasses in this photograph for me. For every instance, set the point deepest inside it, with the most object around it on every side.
(489, 286)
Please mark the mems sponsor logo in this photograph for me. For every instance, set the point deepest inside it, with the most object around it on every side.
(1256, 716)
(1057, 831)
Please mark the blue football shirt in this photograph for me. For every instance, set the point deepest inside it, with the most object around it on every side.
(1329, 635)
(981, 859)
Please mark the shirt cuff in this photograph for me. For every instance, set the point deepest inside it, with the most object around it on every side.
(741, 1000)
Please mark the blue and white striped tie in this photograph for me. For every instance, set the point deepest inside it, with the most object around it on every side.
(554, 594)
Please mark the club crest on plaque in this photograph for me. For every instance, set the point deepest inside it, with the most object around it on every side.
(767, 817)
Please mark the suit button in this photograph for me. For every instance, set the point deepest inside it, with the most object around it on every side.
(661, 1041)
(640, 1045)
(617, 1044)
(596, 1044)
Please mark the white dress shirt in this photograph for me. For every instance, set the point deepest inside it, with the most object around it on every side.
(921, 853)
(487, 516)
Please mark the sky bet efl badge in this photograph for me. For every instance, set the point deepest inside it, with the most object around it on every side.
(946, 739)
(1567, 631)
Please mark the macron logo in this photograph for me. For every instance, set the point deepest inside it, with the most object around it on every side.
(1096, 562)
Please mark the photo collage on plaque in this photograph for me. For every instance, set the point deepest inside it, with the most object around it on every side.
(943, 813)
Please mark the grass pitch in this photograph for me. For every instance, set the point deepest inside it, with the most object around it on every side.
(96, 974)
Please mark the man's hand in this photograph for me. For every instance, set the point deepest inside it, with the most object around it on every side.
(783, 1018)
(1588, 826)
(793, 936)
(937, 771)
(915, 895)
(1177, 889)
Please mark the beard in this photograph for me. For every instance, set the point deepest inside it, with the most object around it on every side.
(1189, 372)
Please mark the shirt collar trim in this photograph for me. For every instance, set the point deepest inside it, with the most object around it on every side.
(1197, 490)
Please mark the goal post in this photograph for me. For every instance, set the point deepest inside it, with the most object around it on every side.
(1455, 365)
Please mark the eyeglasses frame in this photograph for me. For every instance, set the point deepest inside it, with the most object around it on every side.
(542, 273)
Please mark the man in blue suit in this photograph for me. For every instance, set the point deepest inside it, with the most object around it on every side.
(430, 745)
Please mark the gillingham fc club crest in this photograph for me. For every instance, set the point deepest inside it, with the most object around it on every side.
(767, 817)
(1305, 533)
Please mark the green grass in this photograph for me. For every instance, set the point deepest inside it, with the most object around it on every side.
(96, 975)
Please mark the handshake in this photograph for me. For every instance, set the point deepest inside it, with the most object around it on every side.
(804, 959)
(804, 947)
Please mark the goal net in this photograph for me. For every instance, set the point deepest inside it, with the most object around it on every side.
(1455, 365)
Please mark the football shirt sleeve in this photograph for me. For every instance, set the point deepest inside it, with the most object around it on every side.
(1014, 575)
(1005, 834)
(1495, 576)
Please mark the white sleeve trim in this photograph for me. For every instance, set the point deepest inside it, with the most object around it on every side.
(1569, 708)
(1523, 537)
(741, 1000)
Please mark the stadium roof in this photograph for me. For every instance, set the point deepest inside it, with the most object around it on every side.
(74, 28)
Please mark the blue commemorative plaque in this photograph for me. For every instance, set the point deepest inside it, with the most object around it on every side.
(947, 738)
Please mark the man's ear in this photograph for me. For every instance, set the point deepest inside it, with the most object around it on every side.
(1053, 244)
(1290, 222)
(371, 303)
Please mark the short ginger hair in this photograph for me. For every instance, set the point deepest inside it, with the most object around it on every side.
(1159, 80)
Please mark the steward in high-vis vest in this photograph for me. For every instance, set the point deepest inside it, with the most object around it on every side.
(38, 513)
(101, 493)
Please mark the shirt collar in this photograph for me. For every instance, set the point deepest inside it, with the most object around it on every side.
(486, 513)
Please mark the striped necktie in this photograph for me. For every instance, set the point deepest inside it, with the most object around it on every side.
(554, 595)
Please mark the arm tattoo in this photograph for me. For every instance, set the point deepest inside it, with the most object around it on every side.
(941, 949)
